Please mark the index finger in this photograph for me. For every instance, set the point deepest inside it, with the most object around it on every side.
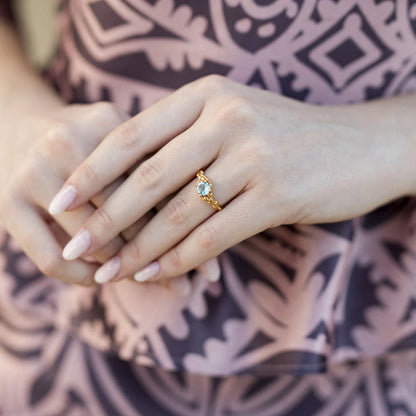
(41, 246)
(130, 141)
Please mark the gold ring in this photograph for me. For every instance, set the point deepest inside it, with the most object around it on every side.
(204, 189)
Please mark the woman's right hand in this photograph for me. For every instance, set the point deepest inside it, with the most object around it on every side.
(37, 153)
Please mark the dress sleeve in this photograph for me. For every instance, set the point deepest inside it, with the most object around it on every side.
(6, 11)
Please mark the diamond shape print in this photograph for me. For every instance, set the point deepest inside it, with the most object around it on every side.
(321, 54)
(346, 53)
(351, 32)
(134, 24)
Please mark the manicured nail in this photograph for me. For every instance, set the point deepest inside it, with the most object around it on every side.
(78, 245)
(181, 286)
(62, 200)
(108, 270)
(148, 272)
(211, 270)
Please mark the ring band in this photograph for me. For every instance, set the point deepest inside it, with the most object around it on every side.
(204, 189)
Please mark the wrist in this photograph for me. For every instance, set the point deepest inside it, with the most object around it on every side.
(392, 121)
(409, 160)
(22, 90)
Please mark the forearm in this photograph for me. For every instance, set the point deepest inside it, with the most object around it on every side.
(393, 119)
(389, 113)
(21, 88)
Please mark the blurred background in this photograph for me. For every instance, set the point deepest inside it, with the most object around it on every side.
(36, 19)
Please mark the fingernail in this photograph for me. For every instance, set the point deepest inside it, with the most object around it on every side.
(148, 272)
(78, 245)
(62, 200)
(108, 270)
(181, 286)
(211, 270)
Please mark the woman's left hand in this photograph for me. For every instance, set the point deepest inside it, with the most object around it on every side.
(272, 160)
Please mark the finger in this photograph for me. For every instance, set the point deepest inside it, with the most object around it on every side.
(127, 234)
(37, 241)
(149, 130)
(71, 142)
(60, 234)
(221, 231)
(99, 199)
(211, 270)
(69, 221)
(130, 232)
(180, 285)
(152, 181)
(184, 212)
(162, 203)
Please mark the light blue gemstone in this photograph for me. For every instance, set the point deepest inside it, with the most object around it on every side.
(203, 188)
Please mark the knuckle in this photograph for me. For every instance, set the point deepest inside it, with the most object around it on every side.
(208, 237)
(101, 108)
(14, 192)
(129, 133)
(256, 152)
(174, 260)
(150, 173)
(87, 174)
(107, 111)
(59, 130)
(29, 171)
(58, 140)
(24, 181)
(104, 219)
(238, 111)
(177, 210)
(212, 83)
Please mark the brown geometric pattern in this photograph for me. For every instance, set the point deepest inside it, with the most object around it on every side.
(321, 316)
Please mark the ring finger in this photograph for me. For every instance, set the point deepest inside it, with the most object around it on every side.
(184, 212)
(157, 177)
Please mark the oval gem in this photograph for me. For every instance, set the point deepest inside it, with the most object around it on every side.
(203, 188)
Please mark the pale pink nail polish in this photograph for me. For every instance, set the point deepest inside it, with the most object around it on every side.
(108, 270)
(181, 286)
(148, 272)
(62, 200)
(78, 245)
(211, 270)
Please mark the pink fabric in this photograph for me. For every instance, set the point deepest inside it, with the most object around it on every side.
(45, 371)
(337, 299)
(293, 298)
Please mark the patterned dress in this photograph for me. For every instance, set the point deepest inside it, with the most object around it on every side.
(306, 319)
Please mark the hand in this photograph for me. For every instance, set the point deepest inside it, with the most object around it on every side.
(37, 153)
(272, 160)
(45, 148)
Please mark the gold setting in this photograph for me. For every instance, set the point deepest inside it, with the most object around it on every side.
(209, 197)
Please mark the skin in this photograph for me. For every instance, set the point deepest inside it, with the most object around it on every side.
(272, 160)
(42, 141)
